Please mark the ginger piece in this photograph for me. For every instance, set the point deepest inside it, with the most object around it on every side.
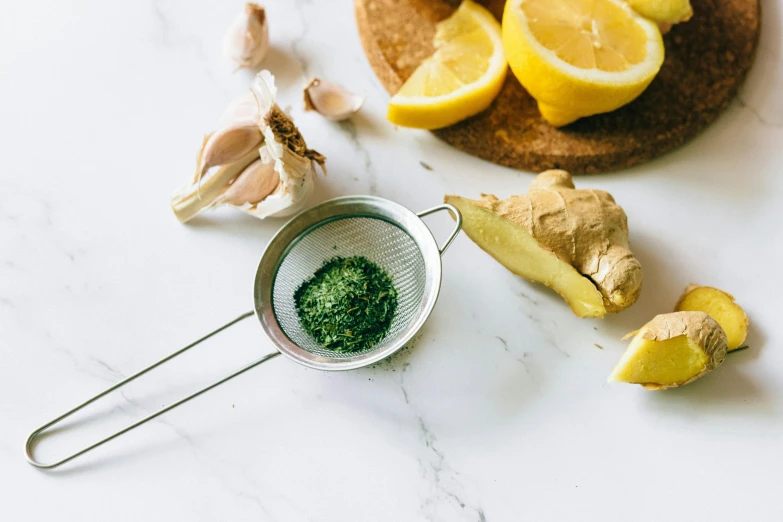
(672, 350)
(574, 241)
(720, 306)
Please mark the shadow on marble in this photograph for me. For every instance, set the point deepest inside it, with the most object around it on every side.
(725, 392)
(235, 223)
(110, 457)
(660, 289)
(285, 66)
(362, 123)
(756, 340)
(659, 295)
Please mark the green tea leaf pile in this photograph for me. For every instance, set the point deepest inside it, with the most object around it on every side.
(348, 305)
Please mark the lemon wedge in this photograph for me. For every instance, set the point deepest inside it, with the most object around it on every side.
(663, 11)
(580, 57)
(460, 79)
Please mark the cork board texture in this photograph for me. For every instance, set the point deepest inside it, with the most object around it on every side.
(706, 60)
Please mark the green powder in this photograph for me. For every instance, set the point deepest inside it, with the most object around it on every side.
(348, 305)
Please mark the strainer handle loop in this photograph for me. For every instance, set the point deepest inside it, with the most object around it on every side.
(454, 213)
(32, 439)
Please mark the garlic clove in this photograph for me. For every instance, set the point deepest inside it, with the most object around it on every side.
(247, 42)
(228, 145)
(254, 184)
(242, 108)
(330, 100)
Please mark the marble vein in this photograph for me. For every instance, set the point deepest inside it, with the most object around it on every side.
(547, 329)
(167, 36)
(443, 479)
(350, 131)
(205, 459)
(758, 113)
(298, 41)
(520, 360)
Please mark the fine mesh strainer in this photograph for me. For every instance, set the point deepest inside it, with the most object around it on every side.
(384, 232)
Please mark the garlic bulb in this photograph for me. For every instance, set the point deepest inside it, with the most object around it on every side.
(268, 176)
(247, 42)
(331, 101)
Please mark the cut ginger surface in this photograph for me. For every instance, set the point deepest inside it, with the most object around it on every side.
(720, 306)
(660, 363)
(672, 350)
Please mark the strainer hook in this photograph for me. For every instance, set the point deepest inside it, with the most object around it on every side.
(456, 214)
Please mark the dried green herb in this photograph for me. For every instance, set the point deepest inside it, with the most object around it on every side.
(348, 305)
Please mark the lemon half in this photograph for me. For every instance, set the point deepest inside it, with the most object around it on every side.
(580, 57)
(460, 79)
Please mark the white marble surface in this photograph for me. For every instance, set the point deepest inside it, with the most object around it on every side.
(498, 412)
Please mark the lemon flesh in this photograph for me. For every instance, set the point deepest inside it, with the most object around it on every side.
(580, 57)
(460, 79)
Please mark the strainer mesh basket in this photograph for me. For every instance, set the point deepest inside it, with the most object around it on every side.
(383, 243)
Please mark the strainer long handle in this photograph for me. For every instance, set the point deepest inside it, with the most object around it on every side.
(457, 217)
(32, 439)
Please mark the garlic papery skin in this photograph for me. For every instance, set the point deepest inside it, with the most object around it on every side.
(331, 101)
(294, 162)
(274, 179)
(296, 181)
(247, 42)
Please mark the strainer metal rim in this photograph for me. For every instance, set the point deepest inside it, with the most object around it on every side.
(339, 208)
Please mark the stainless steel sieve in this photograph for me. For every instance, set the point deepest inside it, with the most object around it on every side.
(384, 232)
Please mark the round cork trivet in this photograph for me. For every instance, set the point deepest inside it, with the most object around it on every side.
(706, 60)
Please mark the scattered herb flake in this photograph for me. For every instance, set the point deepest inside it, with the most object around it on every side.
(598, 346)
(426, 166)
(348, 305)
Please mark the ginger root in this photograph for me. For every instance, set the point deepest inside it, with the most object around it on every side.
(720, 306)
(574, 241)
(672, 350)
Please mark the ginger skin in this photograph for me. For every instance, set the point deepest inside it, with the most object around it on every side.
(584, 229)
